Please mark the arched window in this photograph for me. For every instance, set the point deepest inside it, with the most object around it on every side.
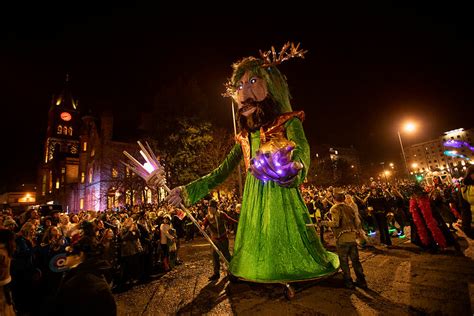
(65, 130)
(70, 131)
(60, 129)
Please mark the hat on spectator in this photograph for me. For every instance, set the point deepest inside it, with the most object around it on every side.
(9, 221)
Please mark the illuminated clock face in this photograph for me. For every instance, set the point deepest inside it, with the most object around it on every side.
(65, 116)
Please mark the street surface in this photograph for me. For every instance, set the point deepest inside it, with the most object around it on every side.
(402, 281)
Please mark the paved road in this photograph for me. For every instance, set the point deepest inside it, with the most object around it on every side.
(402, 281)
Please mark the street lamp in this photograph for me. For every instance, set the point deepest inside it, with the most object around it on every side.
(408, 127)
(235, 134)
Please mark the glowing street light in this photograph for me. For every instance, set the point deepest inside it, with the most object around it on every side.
(408, 127)
(414, 165)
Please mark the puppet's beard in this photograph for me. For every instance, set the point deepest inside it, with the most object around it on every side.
(265, 113)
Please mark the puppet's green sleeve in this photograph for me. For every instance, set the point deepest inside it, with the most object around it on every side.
(197, 189)
(295, 133)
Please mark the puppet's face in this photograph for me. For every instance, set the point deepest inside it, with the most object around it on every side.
(250, 90)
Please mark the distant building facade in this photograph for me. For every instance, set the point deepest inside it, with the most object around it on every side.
(330, 164)
(18, 198)
(81, 168)
(450, 153)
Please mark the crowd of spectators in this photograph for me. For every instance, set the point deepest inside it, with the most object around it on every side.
(133, 244)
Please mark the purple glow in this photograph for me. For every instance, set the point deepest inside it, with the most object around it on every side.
(275, 166)
(458, 144)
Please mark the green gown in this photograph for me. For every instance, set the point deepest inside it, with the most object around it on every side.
(273, 243)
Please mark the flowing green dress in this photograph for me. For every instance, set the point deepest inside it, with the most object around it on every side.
(273, 243)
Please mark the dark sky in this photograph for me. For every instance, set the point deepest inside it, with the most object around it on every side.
(369, 67)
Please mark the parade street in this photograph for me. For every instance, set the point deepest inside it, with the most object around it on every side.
(402, 281)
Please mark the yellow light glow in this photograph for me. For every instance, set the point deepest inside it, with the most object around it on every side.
(414, 165)
(409, 127)
(387, 173)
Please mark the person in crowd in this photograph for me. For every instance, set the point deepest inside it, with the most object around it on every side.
(377, 205)
(10, 224)
(215, 221)
(467, 192)
(178, 225)
(65, 226)
(130, 251)
(84, 289)
(24, 271)
(361, 235)
(429, 231)
(164, 241)
(110, 254)
(146, 256)
(7, 248)
(438, 196)
(345, 226)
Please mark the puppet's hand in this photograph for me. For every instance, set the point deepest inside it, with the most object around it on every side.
(276, 166)
(156, 179)
(174, 197)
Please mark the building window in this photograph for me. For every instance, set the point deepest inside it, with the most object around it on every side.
(90, 175)
(114, 173)
(127, 172)
(128, 197)
(60, 129)
(84, 146)
(63, 170)
(65, 130)
(57, 184)
(43, 185)
(92, 152)
(149, 197)
(81, 204)
(70, 131)
(50, 181)
(83, 177)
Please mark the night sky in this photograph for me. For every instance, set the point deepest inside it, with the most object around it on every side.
(368, 68)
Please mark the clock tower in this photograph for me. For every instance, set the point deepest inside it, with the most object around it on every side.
(59, 170)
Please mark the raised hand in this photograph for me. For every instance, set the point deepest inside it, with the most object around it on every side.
(174, 197)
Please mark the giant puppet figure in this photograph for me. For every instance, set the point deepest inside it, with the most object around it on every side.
(273, 242)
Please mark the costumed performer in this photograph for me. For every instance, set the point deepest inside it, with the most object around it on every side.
(273, 243)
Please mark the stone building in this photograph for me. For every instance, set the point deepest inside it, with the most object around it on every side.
(81, 168)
